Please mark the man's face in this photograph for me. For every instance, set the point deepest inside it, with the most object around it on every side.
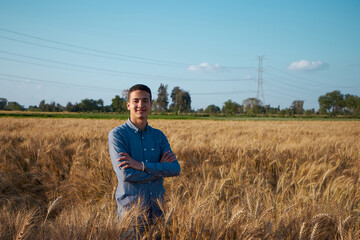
(139, 104)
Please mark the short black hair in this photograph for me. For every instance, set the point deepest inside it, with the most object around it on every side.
(141, 87)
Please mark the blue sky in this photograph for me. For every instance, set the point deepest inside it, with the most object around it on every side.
(70, 50)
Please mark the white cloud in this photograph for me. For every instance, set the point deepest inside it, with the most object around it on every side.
(305, 65)
(205, 67)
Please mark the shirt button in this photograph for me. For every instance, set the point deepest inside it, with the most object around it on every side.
(145, 160)
(144, 149)
(142, 137)
(150, 193)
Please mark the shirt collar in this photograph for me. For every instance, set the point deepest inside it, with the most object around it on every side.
(137, 130)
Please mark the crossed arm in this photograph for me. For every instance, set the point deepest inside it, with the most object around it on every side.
(126, 161)
(130, 169)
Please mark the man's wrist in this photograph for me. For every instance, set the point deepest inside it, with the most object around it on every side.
(143, 166)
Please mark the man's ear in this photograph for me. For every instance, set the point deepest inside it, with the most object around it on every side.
(128, 106)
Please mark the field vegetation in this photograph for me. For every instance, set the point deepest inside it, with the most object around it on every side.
(239, 180)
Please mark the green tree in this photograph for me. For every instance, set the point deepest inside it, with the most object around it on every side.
(253, 106)
(118, 104)
(212, 109)
(352, 104)
(125, 94)
(69, 107)
(59, 108)
(33, 108)
(108, 108)
(309, 112)
(3, 103)
(185, 101)
(174, 93)
(181, 100)
(100, 104)
(88, 105)
(161, 103)
(42, 105)
(271, 110)
(297, 106)
(200, 110)
(14, 106)
(332, 103)
(76, 107)
(231, 108)
(50, 107)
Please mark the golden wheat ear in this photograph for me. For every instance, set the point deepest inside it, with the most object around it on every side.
(53, 205)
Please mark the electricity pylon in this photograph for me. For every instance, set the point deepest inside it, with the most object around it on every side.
(260, 92)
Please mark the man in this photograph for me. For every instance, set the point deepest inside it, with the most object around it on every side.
(141, 157)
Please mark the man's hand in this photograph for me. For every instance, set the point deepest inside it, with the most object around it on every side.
(168, 157)
(127, 162)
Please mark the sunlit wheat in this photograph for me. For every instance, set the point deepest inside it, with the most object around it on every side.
(239, 180)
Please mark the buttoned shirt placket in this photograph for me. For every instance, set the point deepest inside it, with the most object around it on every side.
(144, 156)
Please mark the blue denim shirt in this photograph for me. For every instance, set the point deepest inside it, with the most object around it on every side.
(146, 146)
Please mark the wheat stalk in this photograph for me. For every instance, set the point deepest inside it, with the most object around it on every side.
(288, 209)
(169, 217)
(257, 209)
(301, 230)
(190, 226)
(346, 220)
(320, 215)
(266, 213)
(21, 234)
(313, 232)
(52, 206)
(235, 216)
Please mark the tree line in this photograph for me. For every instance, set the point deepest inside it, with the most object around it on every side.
(332, 104)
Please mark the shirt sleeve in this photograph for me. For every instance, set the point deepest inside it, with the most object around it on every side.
(117, 145)
(166, 169)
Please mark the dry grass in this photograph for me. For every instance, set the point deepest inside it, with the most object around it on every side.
(239, 180)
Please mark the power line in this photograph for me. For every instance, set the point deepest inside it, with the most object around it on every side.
(134, 58)
(283, 93)
(89, 54)
(220, 93)
(73, 65)
(52, 83)
(305, 90)
(45, 65)
(29, 80)
(127, 74)
(289, 97)
(309, 82)
(90, 49)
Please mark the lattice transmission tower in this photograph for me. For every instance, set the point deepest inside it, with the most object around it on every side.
(260, 92)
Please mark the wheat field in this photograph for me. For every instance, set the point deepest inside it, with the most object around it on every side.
(239, 180)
